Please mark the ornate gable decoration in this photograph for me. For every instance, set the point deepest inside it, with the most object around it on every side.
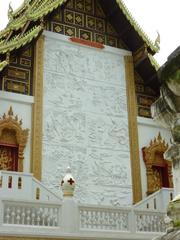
(156, 146)
(11, 133)
(158, 170)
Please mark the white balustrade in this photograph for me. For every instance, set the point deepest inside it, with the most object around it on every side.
(24, 186)
(148, 221)
(119, 219)
(157, 201)
(44, 193)
(32, 214)
(27, 203)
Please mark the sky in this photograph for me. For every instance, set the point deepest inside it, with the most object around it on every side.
(152, 15)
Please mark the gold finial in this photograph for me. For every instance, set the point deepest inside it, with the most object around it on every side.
(10, 12)
(159, 138)
(7, 56)
(158, 40)
(10, 112)
(42, 22)
(26, 3)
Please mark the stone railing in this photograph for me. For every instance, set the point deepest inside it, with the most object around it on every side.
(24, 186)
(149, 221)
(31, 214)
(91, 218)
(157, 201)
(97, 218)
(42, 213)
(120, 219)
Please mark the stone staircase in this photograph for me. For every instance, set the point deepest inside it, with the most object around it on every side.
(28, 208)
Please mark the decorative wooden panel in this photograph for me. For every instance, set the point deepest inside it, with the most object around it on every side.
(145, 97)
(13, 140)
(158, 170)
(17, 77)
(84, 19)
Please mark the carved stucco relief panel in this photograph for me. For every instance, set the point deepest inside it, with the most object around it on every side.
(85, 122)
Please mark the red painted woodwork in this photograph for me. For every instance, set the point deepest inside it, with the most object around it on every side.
(87, 43)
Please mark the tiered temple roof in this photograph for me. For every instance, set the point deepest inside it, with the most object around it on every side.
(27, 22)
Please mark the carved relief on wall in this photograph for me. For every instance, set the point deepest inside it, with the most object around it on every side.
(158, 170)
(13, 140)
(85, 123)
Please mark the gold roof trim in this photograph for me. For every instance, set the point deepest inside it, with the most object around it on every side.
(154, 47)
(3, 64)
(19, 9)
(33, 12)
(18, 41)
(153, 62)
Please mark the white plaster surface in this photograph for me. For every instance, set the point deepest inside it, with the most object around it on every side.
(22, 106)
(85, 121)
(147, 131)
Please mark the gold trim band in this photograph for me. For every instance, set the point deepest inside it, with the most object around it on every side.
(37, 109)
(133, 130)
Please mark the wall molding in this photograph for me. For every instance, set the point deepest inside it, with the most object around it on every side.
(36, 159)
(133, 130)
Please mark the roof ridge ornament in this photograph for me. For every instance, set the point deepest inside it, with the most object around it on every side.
(10, 12)
(158, 40)
(137, 27)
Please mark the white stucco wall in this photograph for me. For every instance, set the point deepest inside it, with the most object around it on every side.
(22, 106)
(147, 131)
(85, 121)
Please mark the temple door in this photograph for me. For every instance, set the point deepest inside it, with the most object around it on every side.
(9, 157)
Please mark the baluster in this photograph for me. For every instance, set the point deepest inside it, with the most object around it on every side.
(139, 223)
(48, 217)
(123, 221)
(7, 216)
(93, 225)
(91, 219)
(101, 219)
(18, 218)
(13, 215)
(85, 218)
(96, 220)
(112, 224)
(105, 220)
(81, 218)
(54, 217)
(148, 223)
(23, 216)
(28, 218)
(84, 215)
(155, 224)
(88, 219)
(33, 215)
(38, 217)
(43, 218)
(144, 223)
(118, 221)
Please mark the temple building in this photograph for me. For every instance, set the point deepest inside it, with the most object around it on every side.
(77, 81)
(166, 111)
